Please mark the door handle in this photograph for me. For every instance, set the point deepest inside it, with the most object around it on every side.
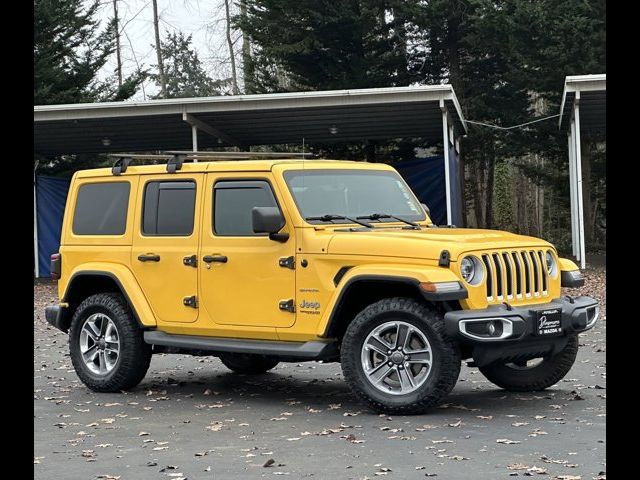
(149, 257)
(214, 258)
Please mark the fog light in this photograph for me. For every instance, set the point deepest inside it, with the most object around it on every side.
(491, 328)
(486, 328)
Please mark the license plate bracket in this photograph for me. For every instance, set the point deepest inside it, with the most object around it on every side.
(548, 322)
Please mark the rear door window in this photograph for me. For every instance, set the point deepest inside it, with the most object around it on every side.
(169, 208)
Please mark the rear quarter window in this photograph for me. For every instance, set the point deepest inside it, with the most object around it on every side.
(101, 209)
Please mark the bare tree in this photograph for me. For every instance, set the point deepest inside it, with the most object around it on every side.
(234, 76)
(156, 27)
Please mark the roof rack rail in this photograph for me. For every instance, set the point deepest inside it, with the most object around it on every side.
(226, 155)
(175, 158)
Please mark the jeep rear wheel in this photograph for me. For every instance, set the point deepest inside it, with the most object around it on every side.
(533, 375)
(396, 357)
(106, 345)
(247, 363)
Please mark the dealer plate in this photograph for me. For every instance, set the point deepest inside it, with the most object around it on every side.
(549, 322)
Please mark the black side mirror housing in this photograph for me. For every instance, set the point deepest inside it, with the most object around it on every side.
(268, 220)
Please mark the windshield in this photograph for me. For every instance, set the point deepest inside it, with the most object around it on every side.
(352, 193)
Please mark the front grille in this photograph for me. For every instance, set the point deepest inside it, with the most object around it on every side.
(515, 274)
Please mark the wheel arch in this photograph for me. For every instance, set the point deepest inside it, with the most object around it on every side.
(84, 283)
(362, 290)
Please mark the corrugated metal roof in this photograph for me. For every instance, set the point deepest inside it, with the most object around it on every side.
(593, 102)
(363, 114)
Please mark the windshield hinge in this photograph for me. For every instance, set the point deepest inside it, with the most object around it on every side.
(288, 262)
(444, 259)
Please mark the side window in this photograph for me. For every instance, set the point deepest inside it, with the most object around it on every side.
(101, 209)
(232, 205)
(168, 208)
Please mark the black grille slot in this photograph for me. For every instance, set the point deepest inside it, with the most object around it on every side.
(543, 266)
(527, 273)
(535, 271)
(507, 267)
(487, 264)
(518, 272)
(498, 267)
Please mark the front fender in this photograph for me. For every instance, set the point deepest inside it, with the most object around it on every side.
(410, 274)
(125, 280)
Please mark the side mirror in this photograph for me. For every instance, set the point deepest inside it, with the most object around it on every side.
(267, 220)
(426, 209)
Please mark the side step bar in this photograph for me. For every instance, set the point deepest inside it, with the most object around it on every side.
(295, 351)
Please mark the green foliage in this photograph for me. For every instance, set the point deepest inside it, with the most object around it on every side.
(185, 74)
(506, 60)
(321, 44)
(69, 48)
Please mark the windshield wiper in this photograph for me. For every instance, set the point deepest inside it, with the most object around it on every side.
(380, 216)
(329, 218)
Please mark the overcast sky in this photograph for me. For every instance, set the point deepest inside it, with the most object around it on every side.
(204, 19)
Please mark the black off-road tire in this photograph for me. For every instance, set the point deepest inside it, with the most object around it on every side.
(247, 363)
(134, 355)
(548, 372)
(445, 361)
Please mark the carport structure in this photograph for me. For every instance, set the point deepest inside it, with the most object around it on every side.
(583, 110)
(428, 112)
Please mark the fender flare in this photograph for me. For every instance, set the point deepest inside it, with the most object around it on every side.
(408, 275)
(126, 283)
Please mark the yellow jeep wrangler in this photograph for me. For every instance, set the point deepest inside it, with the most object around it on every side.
(266, 261)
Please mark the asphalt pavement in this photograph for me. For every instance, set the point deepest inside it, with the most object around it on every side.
(191, 418)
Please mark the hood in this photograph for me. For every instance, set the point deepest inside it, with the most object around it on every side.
(426, 243)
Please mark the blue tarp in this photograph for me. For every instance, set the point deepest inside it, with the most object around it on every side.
(51, 196)
(425, 176)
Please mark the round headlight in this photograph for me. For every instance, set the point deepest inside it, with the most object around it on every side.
(471, 270)
(551, 264)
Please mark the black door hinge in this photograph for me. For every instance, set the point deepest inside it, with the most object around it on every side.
(288, 305)
(288, 262)
(191, 301)
(190, 261)
(444, 259)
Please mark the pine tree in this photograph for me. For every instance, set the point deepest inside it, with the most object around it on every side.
(69, 49)
(323, 44)
(184, 73)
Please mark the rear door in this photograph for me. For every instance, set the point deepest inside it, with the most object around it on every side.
(165, 244)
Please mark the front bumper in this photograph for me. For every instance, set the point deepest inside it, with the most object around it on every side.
(516, 337)
(55, 315)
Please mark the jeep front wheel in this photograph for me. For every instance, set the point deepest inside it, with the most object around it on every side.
(248, 363)
(536, 374)
(396, 357)
(106, 345)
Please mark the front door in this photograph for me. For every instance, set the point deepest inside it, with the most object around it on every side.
(165, 244)
(241, 279)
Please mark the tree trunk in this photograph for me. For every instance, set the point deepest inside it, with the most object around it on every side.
(232, 57)
(118, 54)
(461, 179)
(488, 216)
(453, 28)
(476, 191)
(156, 27)
(248, 69)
